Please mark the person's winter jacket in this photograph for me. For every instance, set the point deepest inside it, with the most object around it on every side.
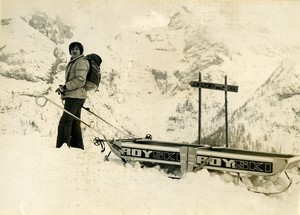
(76, 73)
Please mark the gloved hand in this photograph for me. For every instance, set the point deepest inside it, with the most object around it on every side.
(61, 90)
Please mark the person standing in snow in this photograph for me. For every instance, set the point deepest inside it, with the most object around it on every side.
(74, 95)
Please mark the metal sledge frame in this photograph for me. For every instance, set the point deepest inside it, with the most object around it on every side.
(277, 192)
(260, 164)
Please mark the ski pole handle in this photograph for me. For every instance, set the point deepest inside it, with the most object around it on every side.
(38, 101)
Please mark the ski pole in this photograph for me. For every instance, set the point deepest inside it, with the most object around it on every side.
(47, 99)
(88, 110)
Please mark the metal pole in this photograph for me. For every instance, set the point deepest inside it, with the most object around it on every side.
(226, 114)
(199, 112)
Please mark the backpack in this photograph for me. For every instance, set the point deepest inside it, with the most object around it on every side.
(93, 77)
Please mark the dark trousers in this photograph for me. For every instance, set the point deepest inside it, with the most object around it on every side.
(69, 130)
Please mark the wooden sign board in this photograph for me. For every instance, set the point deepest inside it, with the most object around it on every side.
(214, 86)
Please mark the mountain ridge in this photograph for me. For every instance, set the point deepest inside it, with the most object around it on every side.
(139, 85)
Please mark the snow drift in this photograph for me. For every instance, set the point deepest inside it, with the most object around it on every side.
(150, 53)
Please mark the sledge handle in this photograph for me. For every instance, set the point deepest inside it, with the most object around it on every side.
(38, 101)
(46, 100)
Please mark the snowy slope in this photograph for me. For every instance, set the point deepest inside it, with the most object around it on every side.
(36, 178)
(150, 53)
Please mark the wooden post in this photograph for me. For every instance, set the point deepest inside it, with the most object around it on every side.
(226, 114)
(199, 112)
(214, 86)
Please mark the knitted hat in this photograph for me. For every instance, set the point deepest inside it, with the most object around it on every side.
(73, 44)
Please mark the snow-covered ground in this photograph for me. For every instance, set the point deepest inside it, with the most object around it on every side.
(151, 50)
(37, 178)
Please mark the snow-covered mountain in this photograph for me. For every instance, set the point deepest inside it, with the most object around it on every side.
(150, 51)
(147, 69)
(269, 119)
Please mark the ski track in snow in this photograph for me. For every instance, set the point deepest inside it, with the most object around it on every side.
(37, 178)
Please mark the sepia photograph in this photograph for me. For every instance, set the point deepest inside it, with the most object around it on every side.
(150, 107)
